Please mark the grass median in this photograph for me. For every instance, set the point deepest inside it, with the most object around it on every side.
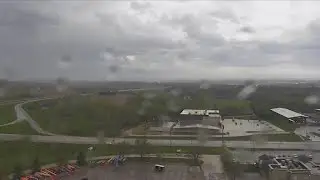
(270, 137)
(22, 127)
(7, 113)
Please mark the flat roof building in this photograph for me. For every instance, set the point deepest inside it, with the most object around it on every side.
(292, 169)
(287, 113)
(292, 116)
(198, 116)
(199, 112)
(195, 120)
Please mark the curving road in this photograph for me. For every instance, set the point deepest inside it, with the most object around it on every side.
(23, 115)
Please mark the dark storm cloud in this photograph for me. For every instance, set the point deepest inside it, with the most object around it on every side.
(14, 17)
(247, 29)
(130, 40)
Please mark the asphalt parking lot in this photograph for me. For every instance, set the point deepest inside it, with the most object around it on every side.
(138, 171)
(252, 156)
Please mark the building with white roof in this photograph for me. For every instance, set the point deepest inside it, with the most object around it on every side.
(199, 112)
(290, 115)
(195, 120)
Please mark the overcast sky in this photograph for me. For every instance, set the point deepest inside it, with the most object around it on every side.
(156, 40)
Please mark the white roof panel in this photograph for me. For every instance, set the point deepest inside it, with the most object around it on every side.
(287, 113)
(198, 112)
(197, 126)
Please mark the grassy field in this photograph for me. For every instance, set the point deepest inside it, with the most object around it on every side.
(23, 152)
(85, 116)
(18, 128)
(7, 113)
(270, 137)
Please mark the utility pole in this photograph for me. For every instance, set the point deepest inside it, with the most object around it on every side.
(170, 136)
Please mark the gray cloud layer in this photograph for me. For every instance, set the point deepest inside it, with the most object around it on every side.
(150, 40)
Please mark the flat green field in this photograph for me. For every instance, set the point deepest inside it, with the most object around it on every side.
(85, 116)
(7, 113)
(18, 128)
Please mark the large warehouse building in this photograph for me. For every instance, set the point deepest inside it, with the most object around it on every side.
(192, 121)
(292, 116)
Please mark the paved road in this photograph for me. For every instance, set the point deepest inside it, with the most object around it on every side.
(20, 114)
(311, 146)
(23, 115)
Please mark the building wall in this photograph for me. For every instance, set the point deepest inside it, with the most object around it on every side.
(195, 131)
(190, 119)
(299, 176)
(315, 177)
(212, 121)
(278, 174)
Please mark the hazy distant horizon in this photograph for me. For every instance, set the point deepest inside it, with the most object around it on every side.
(173, 80)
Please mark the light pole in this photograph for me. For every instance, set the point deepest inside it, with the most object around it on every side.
(89, 155)
(170, 137)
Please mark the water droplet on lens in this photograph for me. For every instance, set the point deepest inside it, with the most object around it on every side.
(2, 92)
(205, 85)
(247, 91)
(149, 95)
(66, 58)
(175, 92)
(164, 118)
(313, 99)
(141, 111)
(114, 68)
(171, 105)
(146, 103)
(64, 61)
(61, 84)
(35, 91)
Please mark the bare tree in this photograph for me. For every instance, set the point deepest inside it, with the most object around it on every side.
(142, 147)
(195, 154)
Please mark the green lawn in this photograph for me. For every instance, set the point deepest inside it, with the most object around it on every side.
(23, 152)
(83, 116)
(18, 128)
(270, 137)
(7, 113)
